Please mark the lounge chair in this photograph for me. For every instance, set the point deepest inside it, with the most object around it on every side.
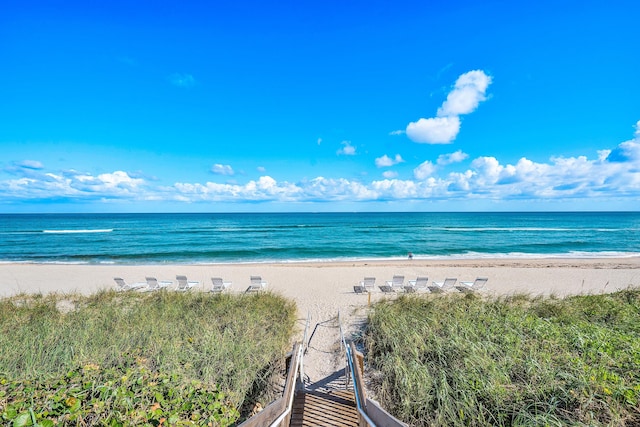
(447, 285)
(257, 284)
(397, 282)
(154, 285)
(416, 285)
(366, 285)
(472, 286)
(184, 284)
(124, 286)
(219, 285)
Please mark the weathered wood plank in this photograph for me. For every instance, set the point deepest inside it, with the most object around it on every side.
(314, 408)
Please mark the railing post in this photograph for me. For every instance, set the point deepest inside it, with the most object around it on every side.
(358, 375)
(305, 346)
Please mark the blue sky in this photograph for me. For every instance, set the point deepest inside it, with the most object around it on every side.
(319, 106)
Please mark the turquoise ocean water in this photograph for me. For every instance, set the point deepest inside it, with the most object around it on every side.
(290, 237)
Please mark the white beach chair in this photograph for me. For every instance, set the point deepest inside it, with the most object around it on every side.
(124, 286)
(219, 285)
(447, 285)
(476, 285)
(396, 283)
(421, 282)
(256, 284)
(364, 286)
(184, 284)
(154, 285)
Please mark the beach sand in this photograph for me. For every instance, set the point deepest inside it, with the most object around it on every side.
(323, 289)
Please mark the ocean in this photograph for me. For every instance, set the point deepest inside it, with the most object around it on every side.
(293, 237)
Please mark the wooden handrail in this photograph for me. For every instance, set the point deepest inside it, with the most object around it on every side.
(280, 409)
(371, 413)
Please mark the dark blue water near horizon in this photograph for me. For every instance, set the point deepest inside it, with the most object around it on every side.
(290, 237)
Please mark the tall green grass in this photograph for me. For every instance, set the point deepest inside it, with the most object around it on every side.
(461, 360)
(138, 359)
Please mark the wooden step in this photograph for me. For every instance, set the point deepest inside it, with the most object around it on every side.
(333, 408)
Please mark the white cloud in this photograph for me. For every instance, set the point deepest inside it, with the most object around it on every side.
(467, 93)
(347, 149)
(261, 169)
(30, 164)
(447, 159)
(182, 80)
(614, 174)
(25, 168)
(464, 98)
(118, 179)
(393, 189)
(386, 161)
(319, 141)
(73, 185)
(424, 171)
(628, 150)
(219, 169)
(436, 130)
(396, 132)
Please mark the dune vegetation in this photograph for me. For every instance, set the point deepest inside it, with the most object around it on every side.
(463, 360)
(162, 359)
(120, 359)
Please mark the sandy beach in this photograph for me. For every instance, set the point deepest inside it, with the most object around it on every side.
(321, 290)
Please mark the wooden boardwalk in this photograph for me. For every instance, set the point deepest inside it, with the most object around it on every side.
(331, 408)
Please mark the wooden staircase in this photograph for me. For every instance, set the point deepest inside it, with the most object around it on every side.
(341, 402)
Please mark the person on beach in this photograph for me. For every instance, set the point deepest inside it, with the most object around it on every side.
(410, 255)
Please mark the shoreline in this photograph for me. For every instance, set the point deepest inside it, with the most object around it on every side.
(472, 257)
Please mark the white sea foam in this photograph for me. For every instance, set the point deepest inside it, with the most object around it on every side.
(451, 257)
(522, 255)
(476, 229)
(103, 230)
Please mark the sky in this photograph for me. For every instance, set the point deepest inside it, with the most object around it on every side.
(254, 106)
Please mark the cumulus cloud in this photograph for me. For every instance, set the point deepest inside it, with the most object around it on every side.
(447, 159)
(347, 149)
(614, 174)
(219, 169)
(625, 152)
(72, 184)
(386, 161)
(424, 171)
(436, 130)
(117, 179)
(469, 90)
(628, 151)
(268, 189)
(182, 80)
(467, 93)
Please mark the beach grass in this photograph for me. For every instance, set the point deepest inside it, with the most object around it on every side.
(464, 360)
(161, 358)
